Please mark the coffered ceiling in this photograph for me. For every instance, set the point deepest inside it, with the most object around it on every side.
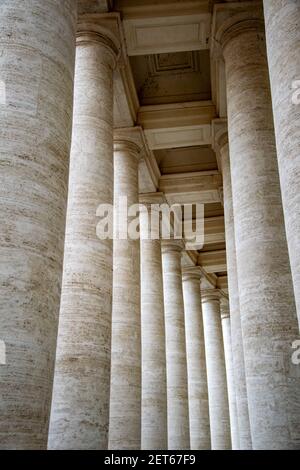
(168, 88)
(172, 77)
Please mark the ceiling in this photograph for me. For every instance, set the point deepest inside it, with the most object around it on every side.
(174, 77)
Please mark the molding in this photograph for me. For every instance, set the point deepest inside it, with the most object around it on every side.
(94, 6)
(213, 261)
(229, 19)
(101, 27)
(167, 33)
(169, 246)
(149, 173)
(187, 188)
(183, 136)
(147, 8)
(152, 198)
(176, 115)
(193, 272)
(219, 131)
(214, 230)
(210, 295)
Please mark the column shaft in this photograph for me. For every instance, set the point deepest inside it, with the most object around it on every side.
(235, 318)
(268, 315)
(125, 397)
(37, 52)
(177, 387)
(234, 427)
(196, 365)
(154, 379)
(282, 22)
(216, 373)
(80, 405)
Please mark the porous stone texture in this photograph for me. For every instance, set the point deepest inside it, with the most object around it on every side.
(177, 386)
(282, 23)
(268, 314)
(234, 428)
(125, 396)
(235, 318)
(154, 378)
(36, 80)
(196, 365)
(216, 372)
(80, 404)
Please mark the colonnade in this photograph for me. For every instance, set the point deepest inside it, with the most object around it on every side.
(144, 356)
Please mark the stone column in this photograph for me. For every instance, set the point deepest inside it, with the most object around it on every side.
(125, 396)
(221, 147)
(37, 53)
(154, 379)
(234, 428)
(216, 373)
(282, 22)
(177, 387)
(80, 405)
(268, 314)
(195, 350)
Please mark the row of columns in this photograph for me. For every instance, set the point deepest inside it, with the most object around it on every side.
(88, 394)
(261, 287)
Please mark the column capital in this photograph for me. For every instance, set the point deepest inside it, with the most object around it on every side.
(232, 19)
(192, 272)
(171, 246)
(100, 28)
(149, 199)
(210, 295)
(225, 311)
(131, 140)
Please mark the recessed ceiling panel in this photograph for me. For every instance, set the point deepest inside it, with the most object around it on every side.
(172, 77)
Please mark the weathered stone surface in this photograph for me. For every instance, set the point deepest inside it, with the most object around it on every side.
(154, 379)
(36, 79)
(268, 314)
(216, 373)
(125, 396)
(234, 427)
(80, 405)
(235, 318)
(282, 23)
(177, 386)
(195, 351)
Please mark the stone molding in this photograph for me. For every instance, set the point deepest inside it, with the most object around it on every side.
(171, 246)
(193, 272)
(210, 295)
(101, 28)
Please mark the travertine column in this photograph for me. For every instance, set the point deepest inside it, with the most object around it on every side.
(268, 315)
(196, 365)
(37, 51)
(154, 379)
(216, 373)
(177, 387)
(125, 396)
(221, 146)
(282, 22)
(80, 404)
(234, 428)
